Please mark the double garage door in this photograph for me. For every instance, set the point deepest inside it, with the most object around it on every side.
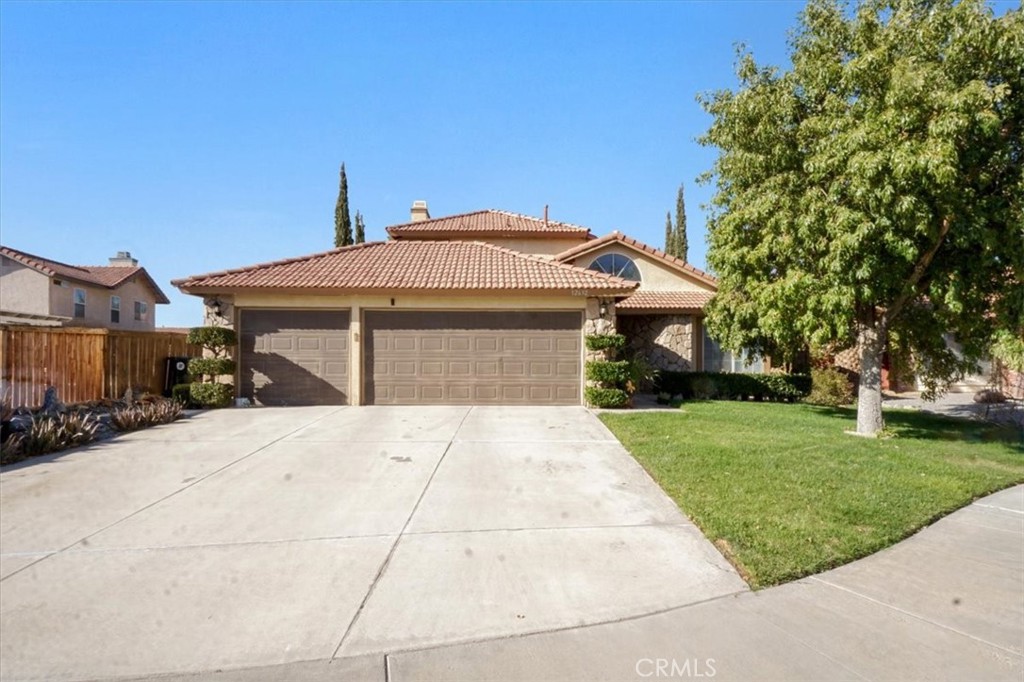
(291, 357)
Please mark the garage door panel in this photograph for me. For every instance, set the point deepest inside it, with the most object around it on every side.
(473, 357)
(513, 369)
(404, 343)
(294, 357)
(431, 343)
(567, 345)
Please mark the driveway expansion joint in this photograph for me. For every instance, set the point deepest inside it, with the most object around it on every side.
(398, 538)
(915, 616)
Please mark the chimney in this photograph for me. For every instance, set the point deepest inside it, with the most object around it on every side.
(123, 259)
(419, 211)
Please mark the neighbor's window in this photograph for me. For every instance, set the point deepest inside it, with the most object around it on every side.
(115, 309)
(79, 302)
(717, 359)
(616, 264)
(141, 310)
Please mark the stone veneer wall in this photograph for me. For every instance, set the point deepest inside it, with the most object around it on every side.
(594, 324)
(665, 340)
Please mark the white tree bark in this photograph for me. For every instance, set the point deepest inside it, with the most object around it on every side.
(871, 343)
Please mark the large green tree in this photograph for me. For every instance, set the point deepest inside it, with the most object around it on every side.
(680, 243)
(342, 217)
(872, 194)
(669, 234)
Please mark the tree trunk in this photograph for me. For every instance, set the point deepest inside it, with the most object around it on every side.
(870, 342)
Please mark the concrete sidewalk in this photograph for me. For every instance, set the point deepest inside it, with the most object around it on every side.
(946, 604)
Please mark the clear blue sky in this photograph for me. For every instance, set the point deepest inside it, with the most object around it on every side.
(201, 136)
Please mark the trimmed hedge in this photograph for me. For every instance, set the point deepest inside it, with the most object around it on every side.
(605, 341)
(211, 395)
(211, 366)
(607, 371)
(605, 397)
(212, 337)
(182, 393)
(729, 386)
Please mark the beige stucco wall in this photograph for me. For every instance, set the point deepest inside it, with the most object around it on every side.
(97, 305)
(231, 305)
(539, 247)
(654, 275)
(23, 289)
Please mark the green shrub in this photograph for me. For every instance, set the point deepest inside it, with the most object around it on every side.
(830, 387)
(704, 388)
(211, 366)
(733, 386)
(211, 395)
(181, 394)
(215, 338)
(605, 397)
(607, 371)
(605, 341)
(640, 374)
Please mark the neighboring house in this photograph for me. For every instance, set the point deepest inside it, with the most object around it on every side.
(479, 308)
(41, 291)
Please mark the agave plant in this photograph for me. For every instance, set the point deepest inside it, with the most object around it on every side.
(128, 418)
(52, 433)
(161, 411)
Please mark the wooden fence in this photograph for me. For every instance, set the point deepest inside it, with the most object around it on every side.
(84, 364)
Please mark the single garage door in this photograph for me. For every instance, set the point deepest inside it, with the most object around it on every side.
(294, 357)
(473, 358)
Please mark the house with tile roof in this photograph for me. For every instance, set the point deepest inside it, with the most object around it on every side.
(42, 291)
(487, 307)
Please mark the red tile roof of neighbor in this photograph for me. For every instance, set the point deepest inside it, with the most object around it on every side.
(489, 223)
(666, 300)
(411, 265)
(671, 261)
(107, 276)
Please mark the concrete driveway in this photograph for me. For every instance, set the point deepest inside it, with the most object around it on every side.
(249, 538)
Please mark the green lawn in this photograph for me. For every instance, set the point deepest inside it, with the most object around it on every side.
(784, 493)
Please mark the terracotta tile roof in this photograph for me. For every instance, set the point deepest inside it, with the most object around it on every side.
(106, 276)
(671, 261)
(411, 265)
(665, 300)
(489, 223)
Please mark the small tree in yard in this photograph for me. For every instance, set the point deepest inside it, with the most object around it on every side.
(208, 391)
(873, 193)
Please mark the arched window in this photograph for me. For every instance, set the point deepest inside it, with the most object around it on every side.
(616, 264)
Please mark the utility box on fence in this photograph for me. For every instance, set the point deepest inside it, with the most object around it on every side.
(175, 372)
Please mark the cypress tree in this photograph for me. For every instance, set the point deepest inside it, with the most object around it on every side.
(360, 228)
(342, 219)
(668, 233)
(679, 241)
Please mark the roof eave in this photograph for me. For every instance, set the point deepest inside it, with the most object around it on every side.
(210, 290)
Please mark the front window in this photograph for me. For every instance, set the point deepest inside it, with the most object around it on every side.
(79, 298)
(141, 311)
(115, 309)
(616, 264)
(717, 359)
